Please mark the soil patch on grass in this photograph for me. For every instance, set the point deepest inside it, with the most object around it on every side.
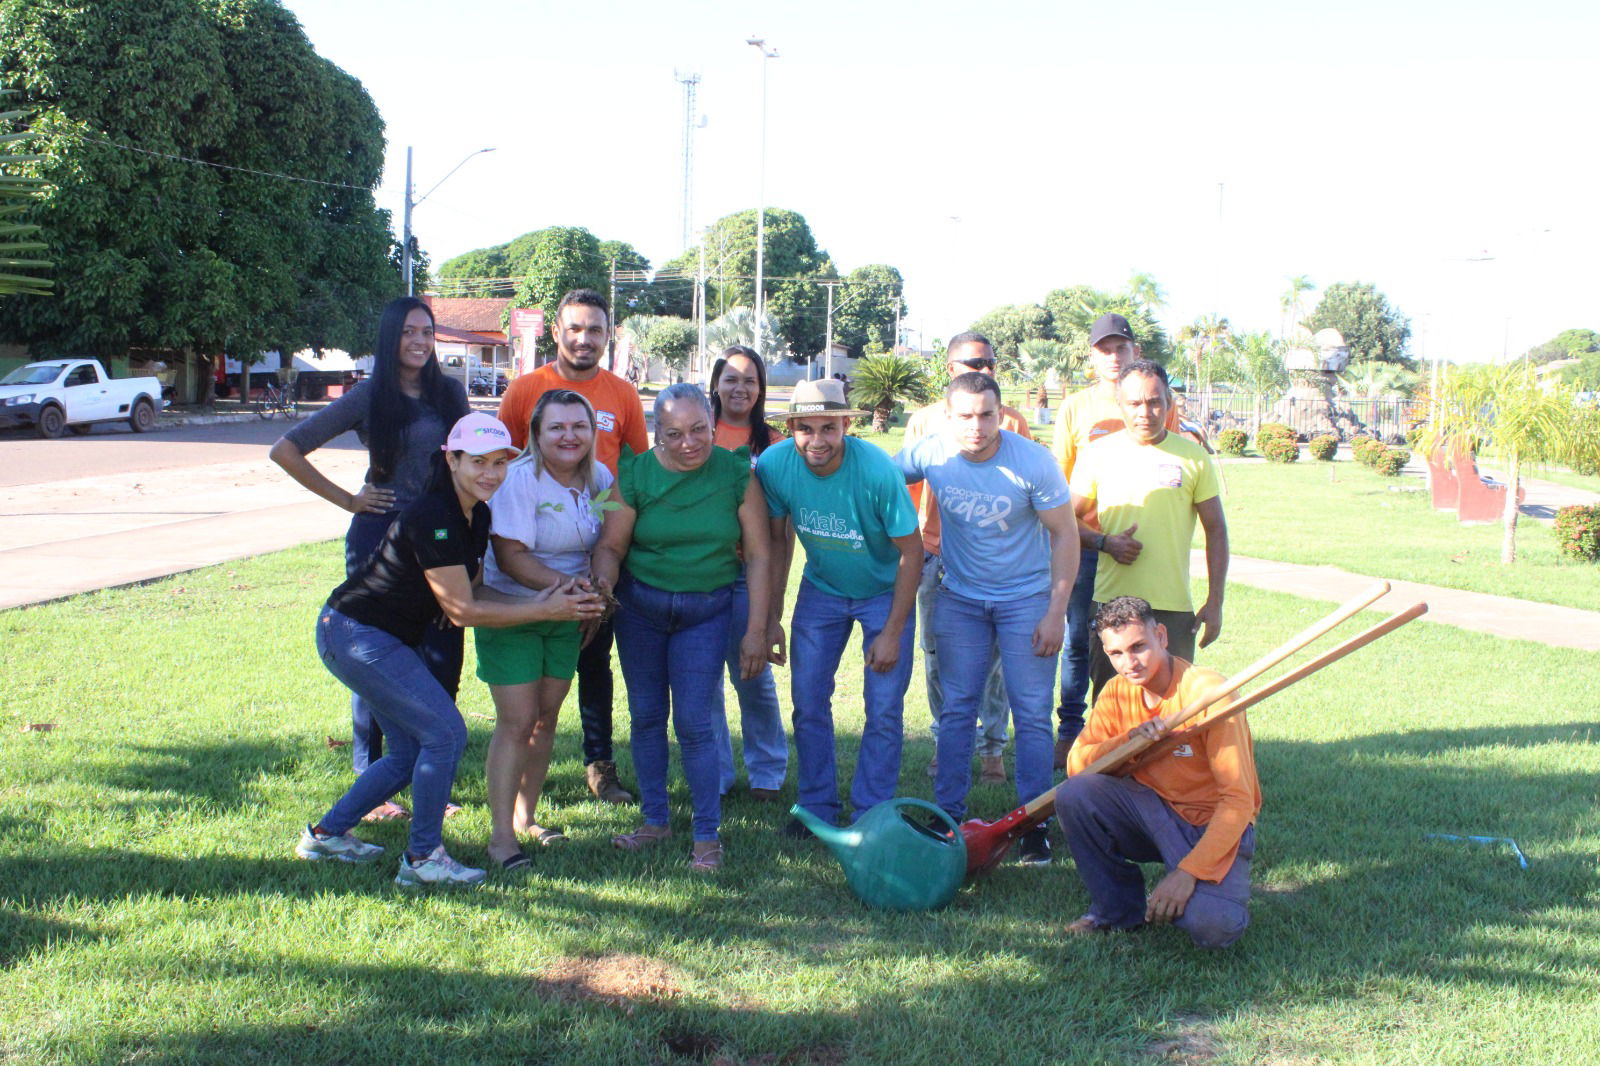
(1191, 1041)
(618, 980)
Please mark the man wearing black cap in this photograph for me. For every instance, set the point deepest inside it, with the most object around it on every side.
(1085, 416)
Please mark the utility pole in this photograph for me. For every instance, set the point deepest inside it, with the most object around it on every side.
(689, 82)
(761, 208)
(897, 306)
(611, 346)
(827, 356)
(700, 299)
(405, 248)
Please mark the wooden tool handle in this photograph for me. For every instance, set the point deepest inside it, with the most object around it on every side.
(1155, 749)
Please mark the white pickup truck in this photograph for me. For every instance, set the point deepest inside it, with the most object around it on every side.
(61, 394)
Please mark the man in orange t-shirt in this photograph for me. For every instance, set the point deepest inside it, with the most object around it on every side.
(967, 352)
(1192, 809)
(582, 330)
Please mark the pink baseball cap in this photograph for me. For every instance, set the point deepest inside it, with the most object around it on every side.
(479, 434)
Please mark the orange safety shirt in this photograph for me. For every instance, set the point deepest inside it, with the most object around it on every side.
(618, 414)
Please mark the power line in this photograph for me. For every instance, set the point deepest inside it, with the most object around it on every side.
(205, 163)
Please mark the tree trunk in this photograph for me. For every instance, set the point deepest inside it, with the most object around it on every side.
(880, 419)
(1508, 547)
(244, 380)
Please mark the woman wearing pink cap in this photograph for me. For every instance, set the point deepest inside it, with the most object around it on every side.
(424, 572)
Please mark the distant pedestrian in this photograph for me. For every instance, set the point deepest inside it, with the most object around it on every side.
(401, 414)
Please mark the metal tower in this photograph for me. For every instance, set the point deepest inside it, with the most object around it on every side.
(690, 121)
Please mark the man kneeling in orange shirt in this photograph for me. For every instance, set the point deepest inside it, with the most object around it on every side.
(1192, 809)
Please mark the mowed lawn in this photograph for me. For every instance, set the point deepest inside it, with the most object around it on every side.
(151, 910)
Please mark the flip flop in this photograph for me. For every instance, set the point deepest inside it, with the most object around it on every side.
(645, 836)
(519, 861)
(388, 811)
(707, 860)
(452, 809)
(545, 836)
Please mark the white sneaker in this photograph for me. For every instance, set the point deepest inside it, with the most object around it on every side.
(437, 869)
(344, 848)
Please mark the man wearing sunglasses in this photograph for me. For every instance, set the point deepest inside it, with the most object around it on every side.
(967, 352)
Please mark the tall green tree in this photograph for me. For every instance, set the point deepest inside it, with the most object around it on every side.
(1074, 309)
(1568, 344)
(1292, 303)
(1506, 410)
(866, 308)
(1374, 330)
(1013, 325)
(20, 265)
(1207, 346)
(560, 259)
(210, 181)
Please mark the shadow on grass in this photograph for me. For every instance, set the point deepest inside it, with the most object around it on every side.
(216, 775)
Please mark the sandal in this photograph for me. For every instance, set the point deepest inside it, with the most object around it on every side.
(387, 811)
(643, 837)
(452, 809)
(517, 860)
(545, 836)
(707, 856)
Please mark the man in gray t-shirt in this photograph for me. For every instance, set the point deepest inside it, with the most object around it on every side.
(1010, 549)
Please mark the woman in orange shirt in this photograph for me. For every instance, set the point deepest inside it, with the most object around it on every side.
(739, 402)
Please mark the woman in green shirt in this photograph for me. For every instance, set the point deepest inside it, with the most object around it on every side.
(671, 555)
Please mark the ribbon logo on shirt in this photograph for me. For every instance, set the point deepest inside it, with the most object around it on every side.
(979, 507)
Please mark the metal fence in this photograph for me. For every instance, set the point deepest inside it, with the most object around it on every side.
(1387, 419)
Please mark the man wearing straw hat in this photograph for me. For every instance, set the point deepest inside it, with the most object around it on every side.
(850, 510)
(1191, 808)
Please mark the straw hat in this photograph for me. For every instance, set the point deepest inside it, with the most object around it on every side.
(825, 396)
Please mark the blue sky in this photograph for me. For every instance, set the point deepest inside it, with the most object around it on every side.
(994, 152)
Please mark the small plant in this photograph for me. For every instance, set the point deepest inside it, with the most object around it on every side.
(1274, 431)
(1578, 532)
(1323, 447)
(1279, 449)
(1390, 461)
(1232, 441)
(1365, 449)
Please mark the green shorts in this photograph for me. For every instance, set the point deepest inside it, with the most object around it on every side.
(516, 655)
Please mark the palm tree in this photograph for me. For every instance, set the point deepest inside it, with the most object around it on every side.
(1293, 312)
(882, 381)
(1144, 290)
(1035, 361)
(1506, 410)
(738, 326)
(1204, 339)
(18, 194)
(1374, 380)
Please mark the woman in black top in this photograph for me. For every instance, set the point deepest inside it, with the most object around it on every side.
(401, 414)
(370, 635)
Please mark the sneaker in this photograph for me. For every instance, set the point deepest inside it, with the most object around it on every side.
(1035, 850)
(602, 778)
(933, 767)
(437, 869)
(344, 848)
(994, 770)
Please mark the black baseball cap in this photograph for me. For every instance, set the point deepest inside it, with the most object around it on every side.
(1109, 325)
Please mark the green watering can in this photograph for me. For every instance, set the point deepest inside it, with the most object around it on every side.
(896, 857)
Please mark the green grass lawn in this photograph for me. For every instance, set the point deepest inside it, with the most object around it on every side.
(1387, 527)
(151, 910)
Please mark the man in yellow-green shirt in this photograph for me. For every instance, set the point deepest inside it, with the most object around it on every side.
(1138, 495)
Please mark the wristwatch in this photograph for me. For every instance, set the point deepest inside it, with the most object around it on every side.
(1100, 545)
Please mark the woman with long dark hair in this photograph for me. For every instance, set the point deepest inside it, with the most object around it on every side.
(402, 414)
(739, 405)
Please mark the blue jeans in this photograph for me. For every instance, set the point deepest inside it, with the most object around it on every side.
(819, 631)
(995, 713)
(671, 646)
(425, 730)
(967, 629)
(441, 649)
(1075, 650)
(1111, 823)
(766, 750)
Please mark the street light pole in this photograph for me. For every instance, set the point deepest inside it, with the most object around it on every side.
(761, 207)
(406, 254)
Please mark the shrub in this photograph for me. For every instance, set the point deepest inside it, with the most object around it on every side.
(1366, 449)
(1389, 461)
(1323, 447)
(1578, 532)
(1273, 431)
(1232, 441)
(1279, 449)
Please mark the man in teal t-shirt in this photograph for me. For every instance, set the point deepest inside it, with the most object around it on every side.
(848, 506)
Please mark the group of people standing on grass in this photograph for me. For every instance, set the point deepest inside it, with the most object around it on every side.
(559, 529)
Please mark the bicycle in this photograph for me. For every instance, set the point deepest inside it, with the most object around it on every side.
(278, 399)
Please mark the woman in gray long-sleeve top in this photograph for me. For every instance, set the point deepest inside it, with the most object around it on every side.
(402, 414)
